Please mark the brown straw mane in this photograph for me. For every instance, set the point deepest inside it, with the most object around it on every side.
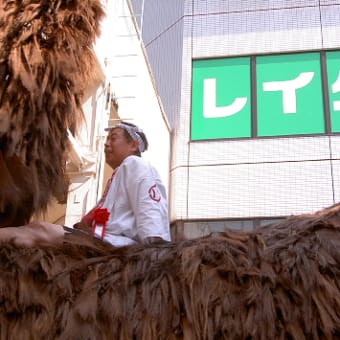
(46, 57)
(278, 282)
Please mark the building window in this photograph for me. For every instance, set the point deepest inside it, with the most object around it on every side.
(266, 96)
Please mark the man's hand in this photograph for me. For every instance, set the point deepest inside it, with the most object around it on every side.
(33, 234)
(83, 225)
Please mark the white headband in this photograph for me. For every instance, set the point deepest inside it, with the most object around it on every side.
(133, 132)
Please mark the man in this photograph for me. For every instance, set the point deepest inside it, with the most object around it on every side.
(134, 206)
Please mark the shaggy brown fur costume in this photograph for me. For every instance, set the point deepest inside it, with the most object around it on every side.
(46, 57)
(278, 282)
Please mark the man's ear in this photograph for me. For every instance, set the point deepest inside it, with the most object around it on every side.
(135, 145)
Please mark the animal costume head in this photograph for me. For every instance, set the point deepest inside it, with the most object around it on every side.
(46, 57)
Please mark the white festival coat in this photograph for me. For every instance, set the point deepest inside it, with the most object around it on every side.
(137, 202)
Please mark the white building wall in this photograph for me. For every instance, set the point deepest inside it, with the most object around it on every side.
(248, 178)
(86, 170)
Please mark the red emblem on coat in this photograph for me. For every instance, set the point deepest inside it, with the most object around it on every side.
(154, 193)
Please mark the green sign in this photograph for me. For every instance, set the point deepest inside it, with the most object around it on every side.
(333, 71)
(289, 95)
(221, 99)
(287, 89)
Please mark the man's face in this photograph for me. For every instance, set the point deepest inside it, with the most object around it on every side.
(118, 147)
